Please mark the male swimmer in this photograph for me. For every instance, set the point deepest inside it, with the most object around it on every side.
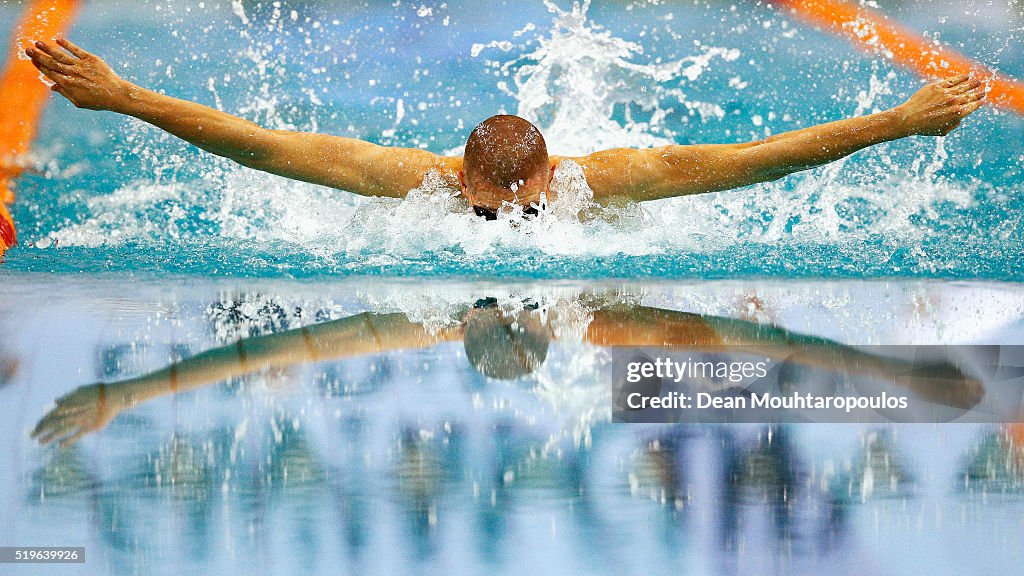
(506, 162)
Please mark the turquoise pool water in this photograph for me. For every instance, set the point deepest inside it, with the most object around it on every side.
(112, 194)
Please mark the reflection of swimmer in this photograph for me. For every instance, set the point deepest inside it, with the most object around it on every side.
(8, 368)
(499, 344)
(506, 162)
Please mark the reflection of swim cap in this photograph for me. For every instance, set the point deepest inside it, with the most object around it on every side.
(504, 347)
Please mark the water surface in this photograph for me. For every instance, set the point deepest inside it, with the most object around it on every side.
(413, 461)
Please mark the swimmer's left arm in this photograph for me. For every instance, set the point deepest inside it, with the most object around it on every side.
(650, 174)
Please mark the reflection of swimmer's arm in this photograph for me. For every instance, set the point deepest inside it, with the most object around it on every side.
(357, 335)
(644, 326)
(91, 407)
(670, 171)
(344, 163)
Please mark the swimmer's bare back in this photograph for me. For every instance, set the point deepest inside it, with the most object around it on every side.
(371, 170)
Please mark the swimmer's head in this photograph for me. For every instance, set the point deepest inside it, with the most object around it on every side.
(506, 160)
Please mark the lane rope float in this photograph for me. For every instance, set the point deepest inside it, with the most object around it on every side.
(877, 33)
(23, 96)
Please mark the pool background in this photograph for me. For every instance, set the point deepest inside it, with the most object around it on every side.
(116, 195)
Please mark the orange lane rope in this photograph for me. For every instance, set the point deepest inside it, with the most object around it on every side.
(875, 32)
(23, 97)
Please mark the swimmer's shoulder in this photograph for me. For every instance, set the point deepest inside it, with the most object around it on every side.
(451, 164)
(614, 172)
(556, 161)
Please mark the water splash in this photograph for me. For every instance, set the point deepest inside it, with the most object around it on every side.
(572, 83)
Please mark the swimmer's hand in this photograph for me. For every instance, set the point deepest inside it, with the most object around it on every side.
(939, 107)
(84, 410)
(84, 79)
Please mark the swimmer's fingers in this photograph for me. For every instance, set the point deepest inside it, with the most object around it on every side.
(70, 47)
(964, 106)
(52, 76)
(55, 53)
(74, 425)
(51, 435)
(971, 86)
(43, 425)
(74, 438)
(50, 422)
(969, 97)
(52, 416)
(69, 434)
(968, 109)
(950, 82)
(45, 63)
(960, 113)
(50, 428)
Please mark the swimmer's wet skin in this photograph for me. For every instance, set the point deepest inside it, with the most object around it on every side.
(506, 160)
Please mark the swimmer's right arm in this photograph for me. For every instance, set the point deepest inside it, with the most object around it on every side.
(344, 163)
